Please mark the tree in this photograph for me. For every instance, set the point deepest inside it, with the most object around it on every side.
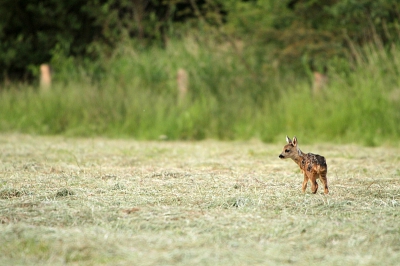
(31, 31)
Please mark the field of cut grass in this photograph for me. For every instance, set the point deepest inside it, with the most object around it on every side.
(69, 201)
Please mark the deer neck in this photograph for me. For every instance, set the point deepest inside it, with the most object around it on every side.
(298, 157)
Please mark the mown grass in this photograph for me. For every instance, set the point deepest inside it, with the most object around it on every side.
(123, 202)
(234, 94)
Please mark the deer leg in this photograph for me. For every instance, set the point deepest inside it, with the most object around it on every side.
(325, 182)
(314, 184)
(305, 182)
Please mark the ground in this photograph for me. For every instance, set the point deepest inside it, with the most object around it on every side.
(125, 202)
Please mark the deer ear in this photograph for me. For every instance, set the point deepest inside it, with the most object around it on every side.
(288, 140)
(294, 141)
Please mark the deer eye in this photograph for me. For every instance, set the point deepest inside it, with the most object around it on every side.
(287, 150)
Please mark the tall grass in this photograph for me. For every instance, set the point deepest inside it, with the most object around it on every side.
(233, 94)
(362, 105)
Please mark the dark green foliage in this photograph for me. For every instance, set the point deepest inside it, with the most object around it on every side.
(33, 32)
(306, 33)
(30, 31)
(299, 33)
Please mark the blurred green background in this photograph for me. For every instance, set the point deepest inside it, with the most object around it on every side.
(249, 68)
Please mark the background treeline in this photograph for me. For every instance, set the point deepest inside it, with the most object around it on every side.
(33, 32)
(250, 68)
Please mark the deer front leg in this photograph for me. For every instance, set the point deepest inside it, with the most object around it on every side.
(305, 182)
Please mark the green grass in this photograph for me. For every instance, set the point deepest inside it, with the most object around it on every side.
(233, 95)
(123, 202)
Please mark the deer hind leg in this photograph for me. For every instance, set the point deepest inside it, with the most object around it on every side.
(305, 182)
(325, 182)
(314, 184)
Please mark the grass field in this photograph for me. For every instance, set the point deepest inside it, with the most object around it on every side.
(123, 202)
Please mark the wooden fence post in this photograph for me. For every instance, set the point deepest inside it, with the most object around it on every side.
(319, 83)
(182, 79)
(45, 77)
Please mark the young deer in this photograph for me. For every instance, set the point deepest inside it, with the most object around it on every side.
(312, 165)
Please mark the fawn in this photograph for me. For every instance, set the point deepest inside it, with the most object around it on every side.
(312, 165)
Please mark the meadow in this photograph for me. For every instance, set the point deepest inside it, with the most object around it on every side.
(111, 165)
(98, 201)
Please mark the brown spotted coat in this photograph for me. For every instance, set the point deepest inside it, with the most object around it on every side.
(312, 165)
